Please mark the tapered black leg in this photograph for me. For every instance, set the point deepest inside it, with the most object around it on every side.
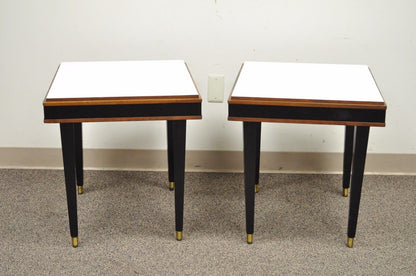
(251, 140)
(170, 155)
(178, 143)
(258, 129)
(79, 164)
(348, 151)
(68, 153)
(360, 152)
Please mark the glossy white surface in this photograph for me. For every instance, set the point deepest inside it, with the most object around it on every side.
(307, 81)
(122, 79)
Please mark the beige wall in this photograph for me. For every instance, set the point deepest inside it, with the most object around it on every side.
(213, 36)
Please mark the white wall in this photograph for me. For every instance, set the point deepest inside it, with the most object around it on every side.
(213, 37)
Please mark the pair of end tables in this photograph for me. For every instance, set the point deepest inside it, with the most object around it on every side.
(263, 92)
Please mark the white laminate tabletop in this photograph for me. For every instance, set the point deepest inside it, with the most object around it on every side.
(103, 79)
(307, 81)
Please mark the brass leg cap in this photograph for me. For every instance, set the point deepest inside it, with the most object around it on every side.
(80, 190)
(249, 238)
(75, 242)
(256, 188)
(350, 242)
(345, 193)
(178, 235)
(171, 186)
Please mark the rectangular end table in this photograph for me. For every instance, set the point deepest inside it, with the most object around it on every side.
(106, 91)
(304, 93)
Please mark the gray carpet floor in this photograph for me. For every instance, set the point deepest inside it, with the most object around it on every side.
(126, 224)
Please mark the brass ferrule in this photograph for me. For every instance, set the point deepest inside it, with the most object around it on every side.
(171, 185)
(345, 192)
(350, 242)
(75, 242)
(249, 238)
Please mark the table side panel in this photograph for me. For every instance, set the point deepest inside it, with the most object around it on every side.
(125, 112)
(300, 114)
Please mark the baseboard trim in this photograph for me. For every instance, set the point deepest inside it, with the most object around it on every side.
(206, 161)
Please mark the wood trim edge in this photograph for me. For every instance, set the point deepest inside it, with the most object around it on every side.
(122, 119)
(123, 100)
(307, 103)
(316, 122)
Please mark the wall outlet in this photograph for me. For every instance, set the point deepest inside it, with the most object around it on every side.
(215, 88)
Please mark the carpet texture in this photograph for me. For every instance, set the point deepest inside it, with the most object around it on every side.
(126, 225)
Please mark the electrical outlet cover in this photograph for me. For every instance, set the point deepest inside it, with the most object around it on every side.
(215, 88)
